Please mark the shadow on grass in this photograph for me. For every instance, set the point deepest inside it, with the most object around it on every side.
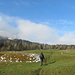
(50, 63)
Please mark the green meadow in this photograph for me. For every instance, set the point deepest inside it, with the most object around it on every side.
(57, 62)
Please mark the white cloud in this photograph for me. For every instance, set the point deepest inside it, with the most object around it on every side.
(26, 29)
(6, 28)
(67, 38)
(35, 32)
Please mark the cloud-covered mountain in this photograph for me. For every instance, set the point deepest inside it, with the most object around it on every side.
(17, 28)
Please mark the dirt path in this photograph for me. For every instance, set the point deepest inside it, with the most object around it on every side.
(38, 71)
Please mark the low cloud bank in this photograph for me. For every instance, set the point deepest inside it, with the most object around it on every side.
(24, 29)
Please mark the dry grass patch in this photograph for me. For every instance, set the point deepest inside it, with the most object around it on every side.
(19, 57)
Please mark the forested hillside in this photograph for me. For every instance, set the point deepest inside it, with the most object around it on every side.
(21, 45)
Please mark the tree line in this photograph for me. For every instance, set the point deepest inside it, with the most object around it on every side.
(21, 45)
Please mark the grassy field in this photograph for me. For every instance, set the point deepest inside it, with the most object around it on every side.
(57, 62)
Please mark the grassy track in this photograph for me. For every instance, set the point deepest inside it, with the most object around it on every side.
(57, 62)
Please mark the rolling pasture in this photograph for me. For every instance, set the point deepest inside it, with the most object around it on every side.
(57, 62)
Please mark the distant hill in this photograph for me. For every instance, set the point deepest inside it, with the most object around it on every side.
(3, 38)
(8, 44)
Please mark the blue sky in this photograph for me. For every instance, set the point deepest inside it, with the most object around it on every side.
(26, 16)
